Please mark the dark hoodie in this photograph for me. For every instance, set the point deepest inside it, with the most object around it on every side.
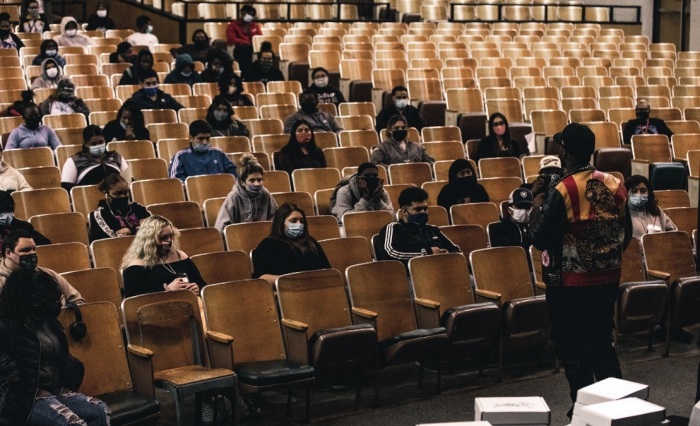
(461, 190)
(131, 74)
(42, 56)
(175, 76)
(227, 127)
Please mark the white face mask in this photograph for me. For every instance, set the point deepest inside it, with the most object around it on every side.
(321, 81)
(102, 13)
(52, 72)
(520, 215)
(401, 103)
(51, 52)
(248, 18)
(97, 150)
(71, 33)
(149, 29)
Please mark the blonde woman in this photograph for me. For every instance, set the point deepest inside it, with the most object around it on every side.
(155, 263)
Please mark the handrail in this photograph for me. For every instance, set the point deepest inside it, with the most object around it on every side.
(550, 7)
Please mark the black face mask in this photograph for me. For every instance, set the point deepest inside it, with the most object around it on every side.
(467, 180)
(309, 107)
(4, 34)
(28, 262)
(32, 122)
(120, 203)
(372, 183)
(201, 44)
(642, 115)
(399, 135)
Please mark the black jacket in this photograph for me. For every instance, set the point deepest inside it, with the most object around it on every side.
(508, 233)
(655, 126)
(403, 241)
(410, 113)
(114, 131)
(162, 101)
(256, 72)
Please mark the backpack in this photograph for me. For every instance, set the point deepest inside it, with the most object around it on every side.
(343, 182)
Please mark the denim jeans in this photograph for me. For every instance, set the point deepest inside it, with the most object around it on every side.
(69, 409)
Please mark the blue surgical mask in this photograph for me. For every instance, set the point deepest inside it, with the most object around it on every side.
(151, 91)
(6, 218)
(418, 218)
(200, 147)
(98, 150)
(638, 200)
(185, 74)
(255, 188)
(294, 230)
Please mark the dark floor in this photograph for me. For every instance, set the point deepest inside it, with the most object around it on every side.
(672, 385)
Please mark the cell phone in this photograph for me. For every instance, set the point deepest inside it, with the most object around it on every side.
(183, 277)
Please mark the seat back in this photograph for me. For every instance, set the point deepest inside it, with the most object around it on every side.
(672, 198)
(322, 227)
(499, 167)
(63, 257)
(246, 236)
(108, 253)
(513, 282)
(345, 252)
(500, 188)
(298, 295)
(28, 157)
(632, 265)
(200, 240)
(254, 325)
(685, 218)
(669, 252)
(474, 214)
(183, 214)
(415, 173)
(40, 201)
(300, 198)
(652, 148)
(155, 191)
(311, 180)
(148, 168)
(443, 279)
(42, 177)
(382, 287)
(467, 237)
(366, 224)
(203, 187)
(96, 284)
(210, 266)
(61, 227)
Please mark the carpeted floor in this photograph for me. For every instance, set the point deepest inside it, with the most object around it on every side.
(672, 382)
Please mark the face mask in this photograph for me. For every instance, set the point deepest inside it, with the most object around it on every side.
(200, 43)
(200, 147)
(220, 115)
(34, 13)
(32, 122)
(149, 29)
(294, 230)
(467, 180)
(303, 137)
(401, 103)
(321, 82)
(52, 72)
(185, 74)
(102, 13)
(65, 96)
(248, 18)
(4, 34)
(232, 90)
(638, 201)
(419, 219)
(151, 91)
(399, 135)
(255, 188)
(120, 203)
(121, 123)
(372, 183)
(28, 262)
(221, 70)
(71, 33)
(266, 65)
(98, 150)
(6, 218)
(51, 53)
(308, 107)
(520, 215)
(164, 249)
(642, 115)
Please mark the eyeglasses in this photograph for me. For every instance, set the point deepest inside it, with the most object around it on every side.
(498, 123)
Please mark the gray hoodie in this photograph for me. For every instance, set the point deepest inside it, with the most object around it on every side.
(242, 205)
(44, 80)
(77, 40)
(348, 199)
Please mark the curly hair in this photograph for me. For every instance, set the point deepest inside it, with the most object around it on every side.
(145, 244)
(21, 291)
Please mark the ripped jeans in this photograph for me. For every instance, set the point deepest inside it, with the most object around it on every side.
(69, 409)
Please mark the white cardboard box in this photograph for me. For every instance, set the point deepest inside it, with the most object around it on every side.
(695, 416)
(457, 424)
(623, 412)
(611, 389)
(532, 410)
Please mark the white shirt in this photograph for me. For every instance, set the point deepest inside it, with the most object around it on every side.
(142, 39)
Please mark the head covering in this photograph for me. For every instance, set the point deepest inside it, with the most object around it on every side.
(182, 60)
(550, 162)
(520, 196)
(578, 140)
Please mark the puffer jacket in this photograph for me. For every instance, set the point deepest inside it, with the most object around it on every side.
(582, 228)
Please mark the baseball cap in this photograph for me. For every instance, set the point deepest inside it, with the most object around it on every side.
(550, 162)
(520, 196)
(578, 140)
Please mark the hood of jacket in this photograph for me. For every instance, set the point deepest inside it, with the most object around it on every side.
(65, 21)
(43, 69)
(182, 60)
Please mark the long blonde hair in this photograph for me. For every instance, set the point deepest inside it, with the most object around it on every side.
(145, 244)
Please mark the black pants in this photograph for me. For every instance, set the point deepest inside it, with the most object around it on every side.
(582, 325)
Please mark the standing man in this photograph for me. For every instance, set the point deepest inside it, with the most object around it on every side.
(582, 229)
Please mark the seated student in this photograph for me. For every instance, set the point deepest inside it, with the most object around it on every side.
(69, 34)
(231, 88)
(249, 201)
(200, 158)
(400, 105)
(265, 68)
(411, 236)
(183, 72)
(10, 178)
(9, 223)
(93, 163)
(144, 33)
(154, 261)
(32, 133)
(33, 21)
(51, 75)
(398, 149)
(325, 93)
(319, 121)
(64, 101)
(115, 216)
(223, 120)
(49, 49)
(8, 39)
(150, 96)
(218, 63)
(498, 142)
(129, 125)
(512, 230)
(550, 165)
(301, 152)
(647, 216)
(643, 124)
(289, 247)
(16, 108)
(462, 186)
(143, 62)
(200, 47)
(363, 191)
(124, 54)
(99, 20)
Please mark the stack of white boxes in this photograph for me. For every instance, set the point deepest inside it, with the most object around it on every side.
(513, 411)
(616, 402)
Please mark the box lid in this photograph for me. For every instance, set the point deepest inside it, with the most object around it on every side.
(512, 410)
(623, 412)
(611, 389)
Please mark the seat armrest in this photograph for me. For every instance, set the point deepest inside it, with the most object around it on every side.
(659, 274)
(427, 313)
(540, 287)
(296, 340)
(141, 369)
(488, 296)
(220, 348)
(364, 316)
